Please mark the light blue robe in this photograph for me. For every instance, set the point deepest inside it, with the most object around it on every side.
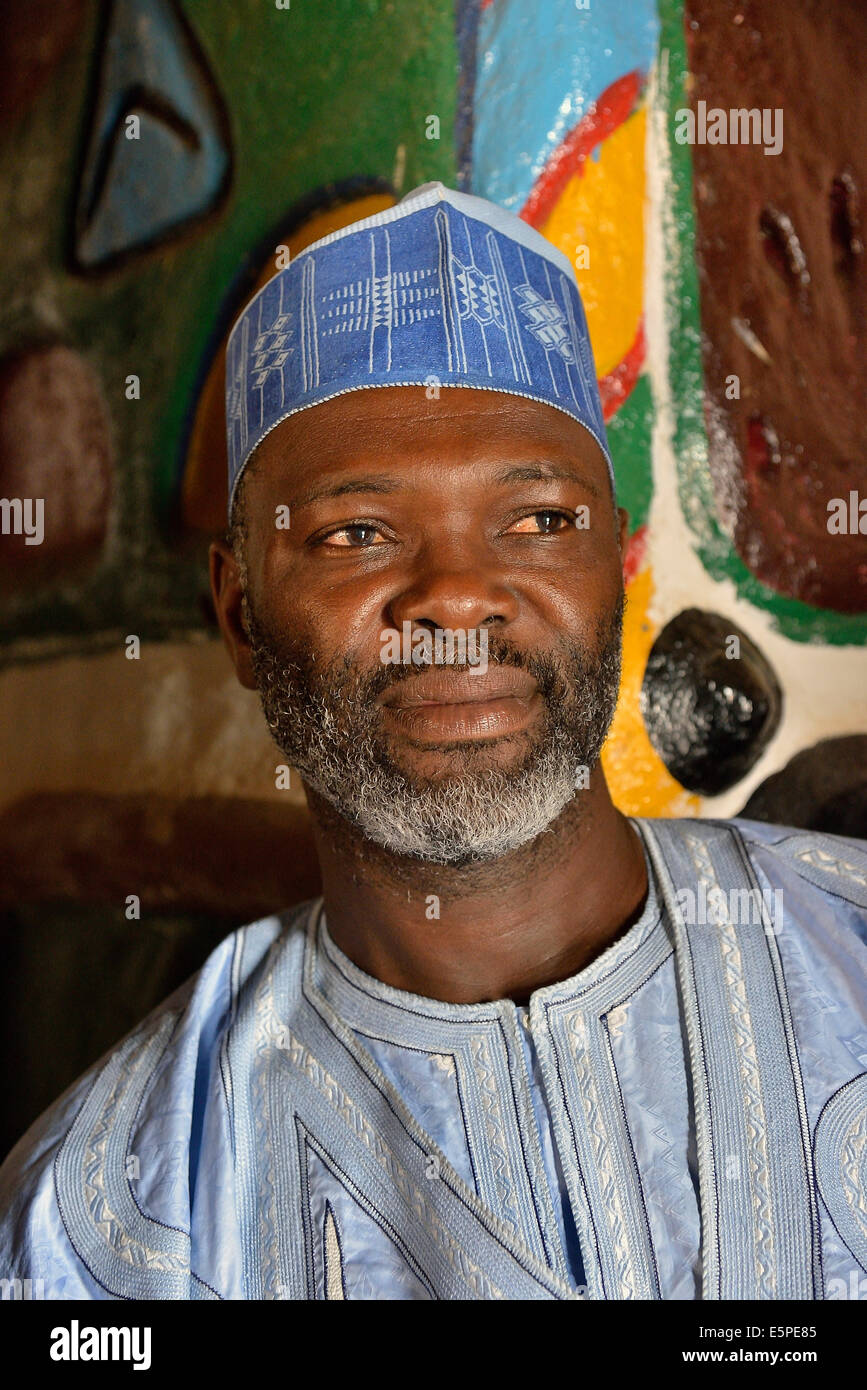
(684, 1118)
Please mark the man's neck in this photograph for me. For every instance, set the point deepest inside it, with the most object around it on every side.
(484, 931)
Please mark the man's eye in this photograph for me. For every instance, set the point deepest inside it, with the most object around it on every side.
(359, 536)
(544, 523)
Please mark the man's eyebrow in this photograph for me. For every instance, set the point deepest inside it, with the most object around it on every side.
(532, 472)
(370, 483)
(544, 472)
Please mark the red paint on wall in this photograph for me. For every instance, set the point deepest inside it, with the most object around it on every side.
(616, 103)
(616, 386)
(636, 548)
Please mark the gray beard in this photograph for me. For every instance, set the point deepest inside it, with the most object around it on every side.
(329, 726)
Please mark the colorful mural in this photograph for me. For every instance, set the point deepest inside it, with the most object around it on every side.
(570, 155)
(575, 155)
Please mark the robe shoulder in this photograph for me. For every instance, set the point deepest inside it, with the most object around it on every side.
(813, 885)
(106, 1175)
(821, 870)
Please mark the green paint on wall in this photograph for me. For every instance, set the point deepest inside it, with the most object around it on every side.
(629, 435)
(316, 94)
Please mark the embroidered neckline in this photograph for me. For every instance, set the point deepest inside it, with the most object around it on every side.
(338, 976)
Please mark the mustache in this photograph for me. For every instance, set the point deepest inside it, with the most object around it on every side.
(549, 675)
(501, 651)
(553, 672)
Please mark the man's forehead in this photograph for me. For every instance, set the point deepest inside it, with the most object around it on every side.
(374, 426)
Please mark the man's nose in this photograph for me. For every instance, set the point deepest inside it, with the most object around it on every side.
(454, 592)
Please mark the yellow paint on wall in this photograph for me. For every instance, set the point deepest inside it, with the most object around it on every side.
(640, 783)
(603, 210)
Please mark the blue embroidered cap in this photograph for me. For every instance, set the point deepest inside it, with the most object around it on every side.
(443, 289)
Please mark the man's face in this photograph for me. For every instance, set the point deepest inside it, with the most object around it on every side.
(457, 514)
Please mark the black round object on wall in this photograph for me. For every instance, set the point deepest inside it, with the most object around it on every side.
(710, 700)
(821, 788)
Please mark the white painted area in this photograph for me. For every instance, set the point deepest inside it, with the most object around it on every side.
(823, 687)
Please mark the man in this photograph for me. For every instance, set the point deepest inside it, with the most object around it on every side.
(523, 1047)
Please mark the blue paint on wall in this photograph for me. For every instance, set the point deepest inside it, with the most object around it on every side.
(134, 192)
(539, 66)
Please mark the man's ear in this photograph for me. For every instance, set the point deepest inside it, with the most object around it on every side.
(227, 594)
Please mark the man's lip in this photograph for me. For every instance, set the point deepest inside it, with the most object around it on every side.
(459, 688)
